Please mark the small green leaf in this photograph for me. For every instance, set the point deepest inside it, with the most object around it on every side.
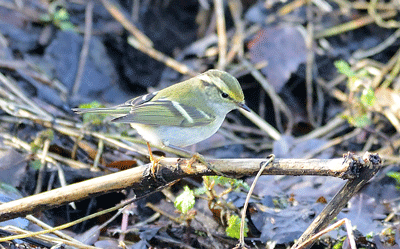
(34, 147)
(368, 97)
(233, 229)
(93, 118)
(47, 134)
(344, 68)
(235, 184)
(369, 236)
(395, 175)
(36, 164)
(240, 184)
(338, 245)
(185, 201)
(61, 15)
(361, 121)
(93, 104)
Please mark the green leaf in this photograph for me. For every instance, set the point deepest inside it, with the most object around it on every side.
(361, 121)
(61, 15)
(93, 104)
(368, 97)
(47, 134)
(344, 68)
(240, 184)
(93, 118)
(233, 229)
(338, 245)
(395, 175)
(185, 201)
(235, 184)
(370, 236)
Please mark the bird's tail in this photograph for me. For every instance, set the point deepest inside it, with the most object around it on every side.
(110, 110)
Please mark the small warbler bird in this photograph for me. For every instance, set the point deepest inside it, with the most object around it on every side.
(182, 114)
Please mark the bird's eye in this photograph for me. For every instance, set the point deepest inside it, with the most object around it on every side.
(224, 95)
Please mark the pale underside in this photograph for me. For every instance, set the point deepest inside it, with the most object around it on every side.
(177, 136)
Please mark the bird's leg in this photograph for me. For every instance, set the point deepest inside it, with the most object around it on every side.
(153, 160)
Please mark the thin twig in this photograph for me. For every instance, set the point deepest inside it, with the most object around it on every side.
(310, 63)
(237, 47)
(155, 54)
(121, 18)
(221, 31)
(278, 104)
(43, 166)
(242, 244)
(85, 47)
(332, 227)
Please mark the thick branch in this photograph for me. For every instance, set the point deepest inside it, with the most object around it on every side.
(170, 169)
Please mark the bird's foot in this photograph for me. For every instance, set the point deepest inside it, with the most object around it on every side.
(154, 166)
(154, 161)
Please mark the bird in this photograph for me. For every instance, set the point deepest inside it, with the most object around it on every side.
(182, 114)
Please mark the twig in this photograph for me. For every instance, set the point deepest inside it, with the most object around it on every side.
(50, 157)
(46, 226)
(85, 47)
(15, 90)
(97, 214)
(98, 154)
(386, 68)
(155, 54)
(262, 124)
(121, 18)
(355, 24)
(332, 142)
(332, 227)
(309, 63)
(242, 244)
(331, 125)
(368, 166)
(221, 31)
(43, 167)
(237, 47)
(393, 74)
(361, 54)
(379, 18)
(278, 103)
(51, 239)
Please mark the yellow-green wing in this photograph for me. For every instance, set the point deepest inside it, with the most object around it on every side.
(168, 113)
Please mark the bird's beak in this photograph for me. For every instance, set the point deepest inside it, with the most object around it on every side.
(243, 106)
